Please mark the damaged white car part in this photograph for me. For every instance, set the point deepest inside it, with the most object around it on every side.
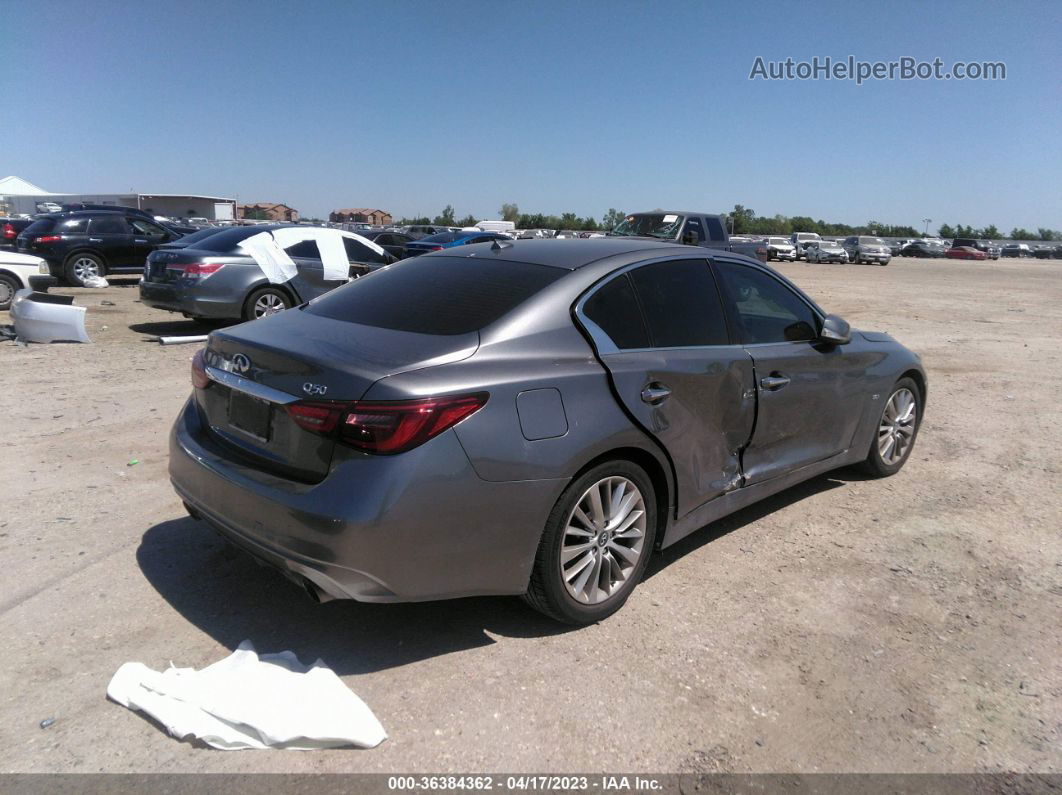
(44, 317)
(251, 701)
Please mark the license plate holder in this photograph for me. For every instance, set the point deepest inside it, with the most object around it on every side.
(250, 415)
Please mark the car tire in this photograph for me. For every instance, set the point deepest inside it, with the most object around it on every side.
(883, 460)
(566, 582)
(80, 266)
(265, 301)
(8, 287)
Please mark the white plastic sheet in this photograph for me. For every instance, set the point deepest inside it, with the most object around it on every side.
(251, 701)
(274, 261)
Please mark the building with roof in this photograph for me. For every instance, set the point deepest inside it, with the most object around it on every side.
(267, 211)
(20, 197)
(360, 215)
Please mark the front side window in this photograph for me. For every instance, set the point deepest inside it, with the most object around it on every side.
(147, 228)
(765, 309)
(614, 309)
(681, 304)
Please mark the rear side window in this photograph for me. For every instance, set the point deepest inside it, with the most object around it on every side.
(681, 304)
(436, 295)
(614, 308)
(767, 310)
(40, 227)
(304, 249)
(107, 225)
(715, 228)
(73, 226)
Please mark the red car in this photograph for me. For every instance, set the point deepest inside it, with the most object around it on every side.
(965, 252)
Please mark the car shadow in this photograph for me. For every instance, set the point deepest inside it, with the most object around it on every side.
(753, 513)
(221, 590)
(176, 327)
(224, 592)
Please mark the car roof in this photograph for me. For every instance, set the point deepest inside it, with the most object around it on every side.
(566, 253)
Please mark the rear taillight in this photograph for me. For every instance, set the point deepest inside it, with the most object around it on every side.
(9, 232)
(198, 270)
(436, 248)
(386, 428)
(200, 379)
(48, 239)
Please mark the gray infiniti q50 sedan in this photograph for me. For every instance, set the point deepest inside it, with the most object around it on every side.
(529, 418)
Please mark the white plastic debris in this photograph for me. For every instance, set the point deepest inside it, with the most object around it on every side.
(183, 340)
(251, 701)
(46, 317)
(95, 281)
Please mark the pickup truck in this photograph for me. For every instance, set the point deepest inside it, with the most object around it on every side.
(685, 226)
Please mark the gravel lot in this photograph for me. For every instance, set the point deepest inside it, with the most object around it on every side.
(908, 624)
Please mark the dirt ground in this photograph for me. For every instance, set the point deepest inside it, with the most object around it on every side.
(908, 624)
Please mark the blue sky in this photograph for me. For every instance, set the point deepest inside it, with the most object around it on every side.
(558, 107)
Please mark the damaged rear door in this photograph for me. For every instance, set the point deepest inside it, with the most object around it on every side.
(660, 330)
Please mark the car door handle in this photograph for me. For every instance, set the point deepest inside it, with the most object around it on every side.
(655, 393)
(95, 240)
(138, 240)
(774, 382)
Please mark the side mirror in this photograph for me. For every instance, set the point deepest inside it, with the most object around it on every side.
(835, 330)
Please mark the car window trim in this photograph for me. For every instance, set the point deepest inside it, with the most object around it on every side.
(603, 342)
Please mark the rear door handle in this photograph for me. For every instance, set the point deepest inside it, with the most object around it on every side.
(774, 382)
(138, 240)
(655, 393)
(95, 240)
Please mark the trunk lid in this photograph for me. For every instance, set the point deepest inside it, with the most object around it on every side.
(262, 366)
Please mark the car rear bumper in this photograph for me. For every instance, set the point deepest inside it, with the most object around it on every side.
(411, 527)
(174, 299)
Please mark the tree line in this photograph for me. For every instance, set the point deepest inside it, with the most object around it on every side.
(511, 212)
(740, 221)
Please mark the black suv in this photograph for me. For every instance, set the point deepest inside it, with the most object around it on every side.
(85, 243)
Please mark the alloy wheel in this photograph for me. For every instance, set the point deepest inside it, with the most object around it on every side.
(604, 539)
(268, 304)
(86, 267)
(897, 426)
(7, 293)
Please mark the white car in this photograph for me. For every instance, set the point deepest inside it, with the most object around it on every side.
(825, 251)
(20, 272)
(780, 248)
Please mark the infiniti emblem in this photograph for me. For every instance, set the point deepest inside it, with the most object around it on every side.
(240, 363)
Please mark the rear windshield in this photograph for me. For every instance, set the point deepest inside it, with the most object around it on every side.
(41, 226)
(194, 237)
(225, 242)
(442, 237)
(436, 295)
